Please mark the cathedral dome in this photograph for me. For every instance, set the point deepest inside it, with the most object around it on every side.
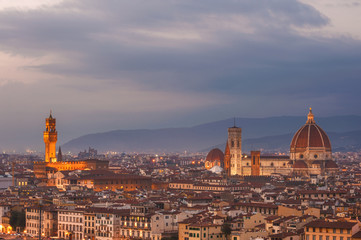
(310, 136)
(214, 157)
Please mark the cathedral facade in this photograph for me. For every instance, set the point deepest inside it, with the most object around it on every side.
(310, 153)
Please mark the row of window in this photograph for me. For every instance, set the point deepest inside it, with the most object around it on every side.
(328, 230)
(69, 227)
(71, 219)
(321, 237)
(89, 217)
(88, 224)
(104, 222)
(75, 236)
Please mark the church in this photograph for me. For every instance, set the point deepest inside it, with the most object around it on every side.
(310, 153)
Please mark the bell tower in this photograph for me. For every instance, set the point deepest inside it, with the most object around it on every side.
(50, 138)
(233, 153)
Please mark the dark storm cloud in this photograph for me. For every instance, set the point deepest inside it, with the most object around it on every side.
(252, 57)
(104, 40)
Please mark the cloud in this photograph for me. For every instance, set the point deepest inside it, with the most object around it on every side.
(120, 61)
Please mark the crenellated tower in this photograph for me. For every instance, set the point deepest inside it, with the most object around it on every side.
(50, 138)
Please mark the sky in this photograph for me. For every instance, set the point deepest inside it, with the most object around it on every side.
(105, 65)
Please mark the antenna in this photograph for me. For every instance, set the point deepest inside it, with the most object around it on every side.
(234, 122)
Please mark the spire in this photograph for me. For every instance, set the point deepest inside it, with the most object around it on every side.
(60, 155)
(310, 117)
(50, 116)
(234, 122)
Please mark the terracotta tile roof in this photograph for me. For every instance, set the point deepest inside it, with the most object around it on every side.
(326, 224)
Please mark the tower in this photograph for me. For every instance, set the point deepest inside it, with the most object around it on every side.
(50, 138)
(233, 152)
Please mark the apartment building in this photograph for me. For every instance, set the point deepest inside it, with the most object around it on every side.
(325, 230)
(71, 224)
(42, 219)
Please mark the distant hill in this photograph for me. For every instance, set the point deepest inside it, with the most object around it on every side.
(348, 141)
(257, 133)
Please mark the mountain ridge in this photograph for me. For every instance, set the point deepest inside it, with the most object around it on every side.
(263, 133)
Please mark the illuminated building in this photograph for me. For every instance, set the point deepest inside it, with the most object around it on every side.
(233, 152)
(310, 150)
(310, 153)
(50, 138)
(51, 165)
(214, 158)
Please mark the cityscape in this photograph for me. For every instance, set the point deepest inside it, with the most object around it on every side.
(226, 194)
(180, 120)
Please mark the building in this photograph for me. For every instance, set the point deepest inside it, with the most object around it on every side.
(324, 230)
(89, 225)
(51, 164)
(50, 139)
(137, 222)
(71, 224)
(310, 153)
(310, 150)
(4, 209)
(233, 152)
(42, 218)
(214, 158)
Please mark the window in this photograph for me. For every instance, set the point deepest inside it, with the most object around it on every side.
(313, 237)
(320, 237)
(341, 231)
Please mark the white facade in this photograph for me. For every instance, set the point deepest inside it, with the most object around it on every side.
(71, 223)
(105, 225)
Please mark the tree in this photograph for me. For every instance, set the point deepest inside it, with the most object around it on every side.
(17, 219)
(226, 229)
